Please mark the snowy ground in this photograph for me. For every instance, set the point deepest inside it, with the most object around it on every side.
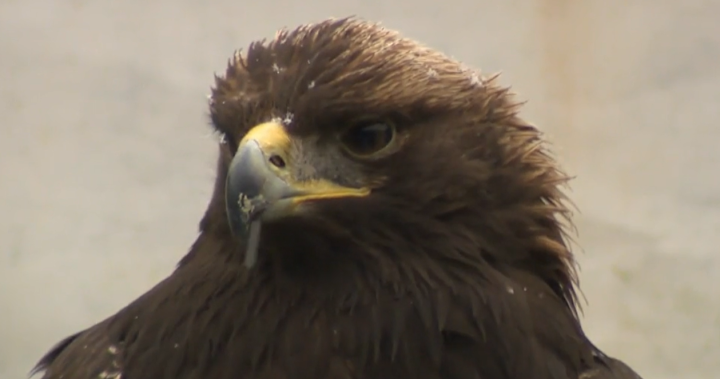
(106, 160)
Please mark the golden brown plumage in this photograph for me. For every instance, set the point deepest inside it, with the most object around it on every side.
(440, 254)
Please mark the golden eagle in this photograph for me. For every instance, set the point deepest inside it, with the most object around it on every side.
(412, 227)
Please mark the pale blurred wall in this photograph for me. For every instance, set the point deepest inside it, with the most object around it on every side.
(106, 159)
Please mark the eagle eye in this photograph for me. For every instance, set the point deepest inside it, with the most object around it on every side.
(368, 138)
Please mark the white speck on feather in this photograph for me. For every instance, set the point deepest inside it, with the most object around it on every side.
(311, 85)
(432, 73)
(288, 118)
(176, 345)
(474, 75)
(510, 290)
(112, 350)
(110, 375)
(276, 68)
(475, 79)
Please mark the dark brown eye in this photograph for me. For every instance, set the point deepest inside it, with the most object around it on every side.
(368, 138)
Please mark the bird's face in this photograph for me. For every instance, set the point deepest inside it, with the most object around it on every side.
(344, 131)
(275, 176)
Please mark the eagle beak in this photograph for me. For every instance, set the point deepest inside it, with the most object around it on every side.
(260, 185)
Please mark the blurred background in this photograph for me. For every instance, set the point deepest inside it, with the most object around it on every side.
(107, 160)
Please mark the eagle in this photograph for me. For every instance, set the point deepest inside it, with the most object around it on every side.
(380, 211)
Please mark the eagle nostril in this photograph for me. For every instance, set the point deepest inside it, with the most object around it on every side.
(277, 161)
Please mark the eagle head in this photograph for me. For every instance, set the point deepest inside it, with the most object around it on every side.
(363, 153)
